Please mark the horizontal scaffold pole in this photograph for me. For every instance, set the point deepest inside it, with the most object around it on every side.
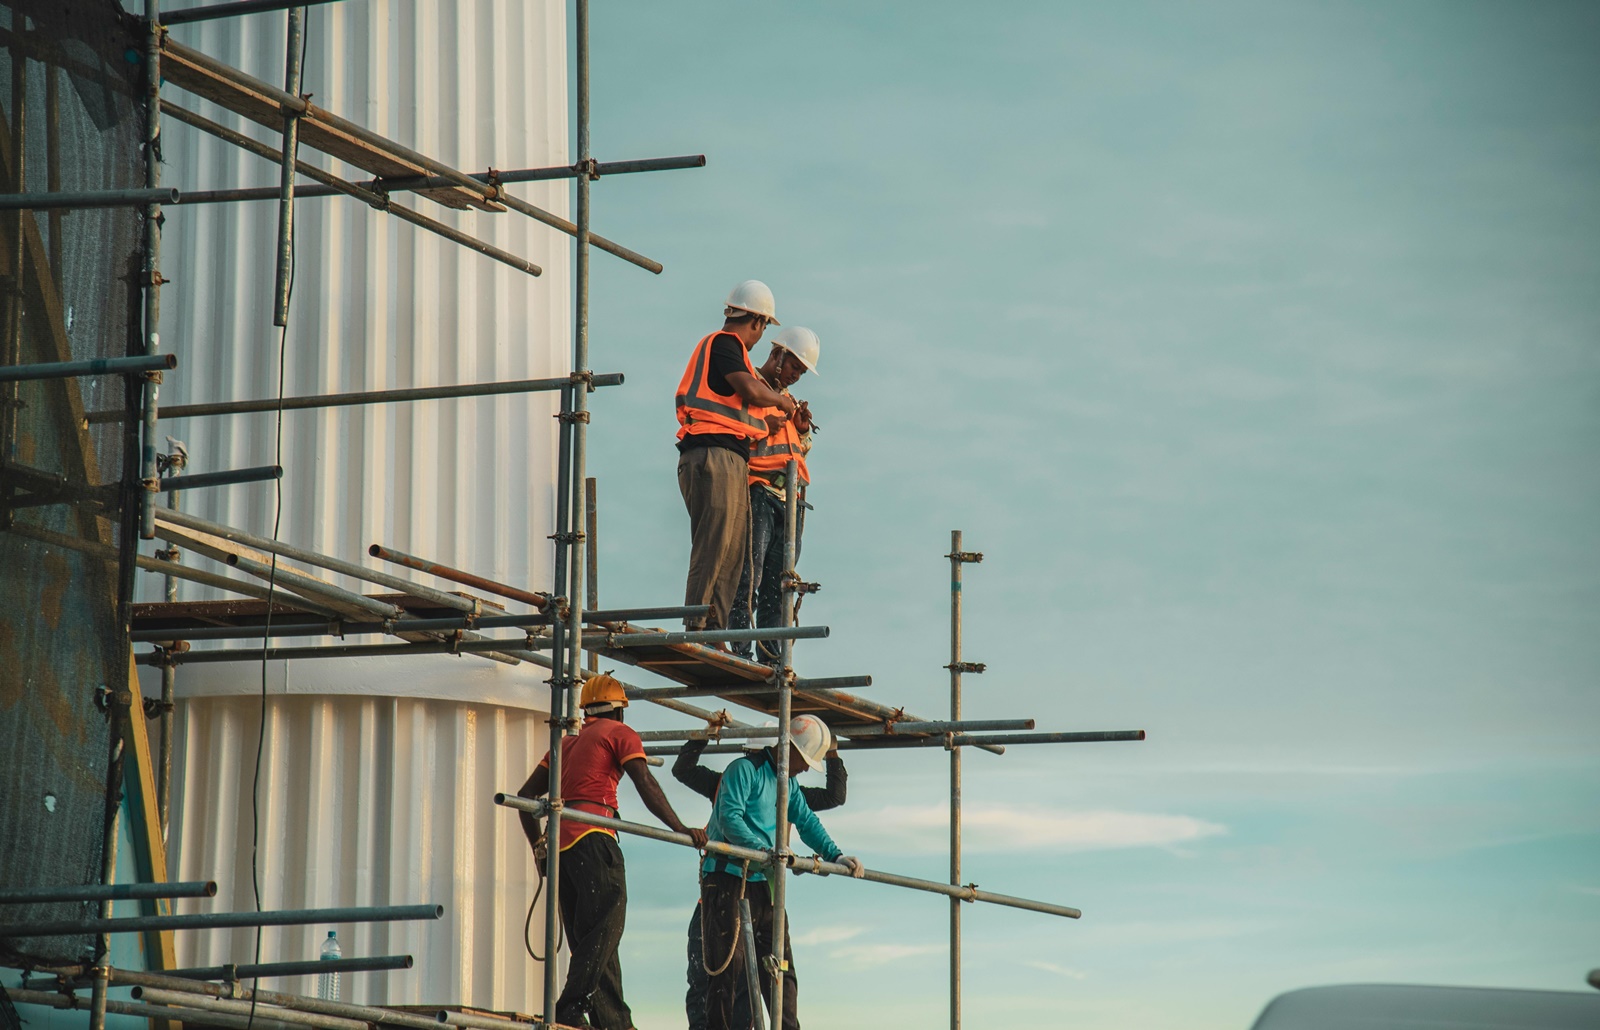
(988, 740)
(184, 15)
(862, 730)
(141, 1010)
(508, 646)
(88, 199)
(202, 480)
(801, 685)
(600, 641)
(344, 400)
(220, 920)
(289, 626)
(802, 864)
(365, 1013)
(309, 967)
(109, 892)
(91, 367)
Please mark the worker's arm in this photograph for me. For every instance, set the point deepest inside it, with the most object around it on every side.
(537, 786)
(832, 795)
(650, 793)
(810, 827)
(753, 391)
(688, 771)
(734, 806)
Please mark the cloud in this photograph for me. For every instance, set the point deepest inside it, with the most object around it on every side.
(881, 954)
(924, 829)
(1051, 967)
(828, 935)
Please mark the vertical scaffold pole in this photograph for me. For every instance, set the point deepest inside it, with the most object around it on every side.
(101, 977)
(567, 642)
(580, 356)
(957, 666)
(152, 265)
(591, 553)
(11, 353)
(955, 778)
(291, 148)
(780, 884)
(169, 682)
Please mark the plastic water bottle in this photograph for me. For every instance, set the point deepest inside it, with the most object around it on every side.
(328, 983)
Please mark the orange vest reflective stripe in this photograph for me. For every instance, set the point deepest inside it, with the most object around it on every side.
(702, 410)
(771, 456)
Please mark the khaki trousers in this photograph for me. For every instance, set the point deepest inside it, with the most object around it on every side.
(714, 483)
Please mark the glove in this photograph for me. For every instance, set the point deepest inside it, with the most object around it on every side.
(853, 864)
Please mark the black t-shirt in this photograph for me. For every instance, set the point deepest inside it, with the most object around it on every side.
(727, 356)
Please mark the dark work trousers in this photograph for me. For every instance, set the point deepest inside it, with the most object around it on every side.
(714, 484)
(719, 900)
(694, 1003)
(761, 584)
(594, 906)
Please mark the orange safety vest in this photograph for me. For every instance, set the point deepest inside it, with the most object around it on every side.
(703, 410)
(771, 456)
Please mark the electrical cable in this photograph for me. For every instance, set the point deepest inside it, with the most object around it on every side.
(527, 924)
(272, 586)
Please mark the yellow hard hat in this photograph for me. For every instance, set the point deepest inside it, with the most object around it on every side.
(605, 690)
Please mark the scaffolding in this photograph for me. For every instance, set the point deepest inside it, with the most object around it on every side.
(561, 625)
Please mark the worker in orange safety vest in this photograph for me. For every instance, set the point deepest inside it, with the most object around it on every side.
(724, 409)
(795, 351)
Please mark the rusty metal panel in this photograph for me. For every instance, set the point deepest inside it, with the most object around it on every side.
(67, 292)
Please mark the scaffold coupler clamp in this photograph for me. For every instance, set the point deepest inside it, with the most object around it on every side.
(975, 667)
(966, 557)
(586, 377)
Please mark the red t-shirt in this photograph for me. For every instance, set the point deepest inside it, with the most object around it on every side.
(591, 765)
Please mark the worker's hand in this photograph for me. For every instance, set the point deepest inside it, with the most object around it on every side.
(786, 404)
(802, 417)
(853, 864)
(699, 837)
(775, 422)
(541, 850)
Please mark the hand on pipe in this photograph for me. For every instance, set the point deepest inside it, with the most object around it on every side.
(853, 863)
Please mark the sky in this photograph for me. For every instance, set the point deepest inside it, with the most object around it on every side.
(1257, 347)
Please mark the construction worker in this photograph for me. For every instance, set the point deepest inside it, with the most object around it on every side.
(688, 771)
(745, 813)
(594, 884)
(795, 351)
(723, 408)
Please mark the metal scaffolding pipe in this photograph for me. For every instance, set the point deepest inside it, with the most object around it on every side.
(893, 730)
(332, 185)
(293, 52)
(321, 561)
(310, 967)
(341, 400)
(987, 741)
(202, 480)
(808, 864)
(109, 892)
(157, 996)
(338, 627)
(50, 999)
(220, 920)
(724, 690)
(620, 641)
(534, 598)
(92, 198)
(296, 654)
(232, 10)
(287, 103)
(92, 367)
(364, 1013)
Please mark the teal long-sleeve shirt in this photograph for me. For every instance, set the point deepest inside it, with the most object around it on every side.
(746, 813)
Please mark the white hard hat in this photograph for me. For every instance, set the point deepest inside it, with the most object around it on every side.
(812, 736)
(802, 343)
(754, 296)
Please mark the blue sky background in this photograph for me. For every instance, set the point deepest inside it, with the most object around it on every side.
(1257, 345)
